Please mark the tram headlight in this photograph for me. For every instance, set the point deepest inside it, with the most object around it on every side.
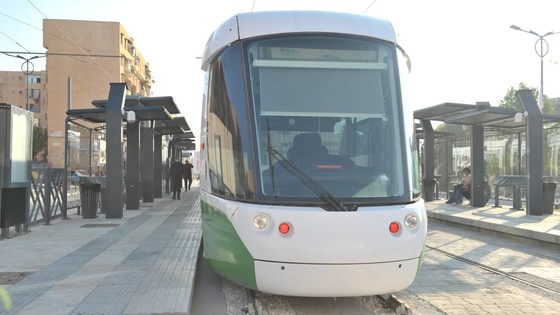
(260, 221)
(411, 220)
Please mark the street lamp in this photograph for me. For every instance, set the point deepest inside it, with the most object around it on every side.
(541, 53)
(27, 68)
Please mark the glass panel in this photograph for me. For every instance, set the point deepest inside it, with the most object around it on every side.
(21, 145)
(229, 145)
(327, 118)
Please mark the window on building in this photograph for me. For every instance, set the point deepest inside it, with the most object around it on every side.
(33, 79)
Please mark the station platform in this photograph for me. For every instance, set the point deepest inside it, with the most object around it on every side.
(145, 263)
(503, 219)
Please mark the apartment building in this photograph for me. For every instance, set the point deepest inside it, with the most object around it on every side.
(83, 58)
(15, 85)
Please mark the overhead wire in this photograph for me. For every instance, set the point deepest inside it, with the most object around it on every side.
(369, 6)
(34, 27)
(13, 40)
(73, 56)
(71, 40)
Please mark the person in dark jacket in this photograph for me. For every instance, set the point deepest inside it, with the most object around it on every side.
(188, 175)
(176, 176)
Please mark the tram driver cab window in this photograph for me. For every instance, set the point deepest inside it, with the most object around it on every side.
(306, 147)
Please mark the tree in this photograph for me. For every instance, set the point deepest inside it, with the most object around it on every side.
(511, 101)
(455, 129)
(40, 143)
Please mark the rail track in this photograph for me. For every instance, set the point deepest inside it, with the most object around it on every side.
(263, 304)
(497, 271)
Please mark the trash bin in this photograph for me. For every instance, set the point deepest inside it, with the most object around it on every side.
(89, 196)
(429, 190)
(549, 194)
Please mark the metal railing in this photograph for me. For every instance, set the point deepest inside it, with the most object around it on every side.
(47, 189)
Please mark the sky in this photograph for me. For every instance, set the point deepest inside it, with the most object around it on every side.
(461, 51)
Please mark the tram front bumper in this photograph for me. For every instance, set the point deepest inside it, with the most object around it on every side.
(334, 280)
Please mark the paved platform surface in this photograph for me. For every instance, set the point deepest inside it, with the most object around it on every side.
(545, 228)
(145, 263)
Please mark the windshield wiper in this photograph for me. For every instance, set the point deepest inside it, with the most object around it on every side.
(270, 155)
(307, 181)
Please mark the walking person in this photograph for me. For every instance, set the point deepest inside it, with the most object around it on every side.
(176, 176)
(188, 175)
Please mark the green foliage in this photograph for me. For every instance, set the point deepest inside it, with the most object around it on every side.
(511, 101)
(40, 143)
(492, 165)
(455, 129)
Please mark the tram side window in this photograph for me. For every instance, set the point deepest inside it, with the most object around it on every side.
(229, 149)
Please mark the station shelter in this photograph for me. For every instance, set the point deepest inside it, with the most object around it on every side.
(478, 117)
(150, 132)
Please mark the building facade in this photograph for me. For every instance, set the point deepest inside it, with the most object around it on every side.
(83, 58)
(15, 85)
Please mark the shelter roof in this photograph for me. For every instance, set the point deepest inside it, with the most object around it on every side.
(487, 116)
(160, 109)
(133, 101)
(176, 125)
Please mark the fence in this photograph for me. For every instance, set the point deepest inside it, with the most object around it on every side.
(47, 189)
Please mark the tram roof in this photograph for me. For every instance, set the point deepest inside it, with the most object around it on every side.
(255, 24)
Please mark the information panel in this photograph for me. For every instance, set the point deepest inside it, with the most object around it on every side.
(21, 145)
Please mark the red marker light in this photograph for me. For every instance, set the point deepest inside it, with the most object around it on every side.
(329, 167)
(394, 227)
(284, 228)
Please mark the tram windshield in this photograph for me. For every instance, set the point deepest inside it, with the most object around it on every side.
(328, 118)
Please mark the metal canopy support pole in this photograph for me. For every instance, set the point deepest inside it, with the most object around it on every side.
(519, 143)
(158, 167)
(448, 166)
(66, 153)
(168, 162)
(535, 204)
(4, 153)
(64, 209)
(114, 178)
(147, 161)
(90, 157)
(133, 166)
(477, 159)
(477, 167)
(429, 157)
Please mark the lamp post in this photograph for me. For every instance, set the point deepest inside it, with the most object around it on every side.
(540, 43)
(27, 68)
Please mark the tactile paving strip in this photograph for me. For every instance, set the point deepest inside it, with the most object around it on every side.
(157, 277)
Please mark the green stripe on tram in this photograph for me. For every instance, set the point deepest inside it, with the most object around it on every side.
(224, 251)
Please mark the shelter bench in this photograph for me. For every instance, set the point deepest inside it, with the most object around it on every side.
(516, 182)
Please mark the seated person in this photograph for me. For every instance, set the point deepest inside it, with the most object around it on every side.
(461, 190)
(306, 148)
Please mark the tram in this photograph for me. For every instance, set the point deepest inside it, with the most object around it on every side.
(310, 181)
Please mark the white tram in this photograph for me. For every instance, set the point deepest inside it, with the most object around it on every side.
(310, 181)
